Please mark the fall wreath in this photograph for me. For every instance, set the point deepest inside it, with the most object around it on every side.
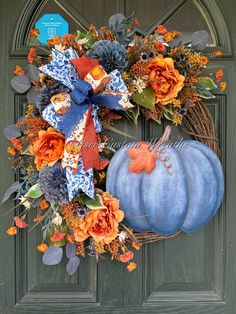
(86, 196)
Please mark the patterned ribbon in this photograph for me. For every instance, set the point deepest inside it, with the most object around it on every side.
(78, 120)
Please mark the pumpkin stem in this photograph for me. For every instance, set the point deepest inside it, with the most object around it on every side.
(166, 135)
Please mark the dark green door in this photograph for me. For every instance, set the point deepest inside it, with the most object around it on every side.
(187, 275)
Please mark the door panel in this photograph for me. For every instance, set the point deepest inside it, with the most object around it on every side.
(189, 274)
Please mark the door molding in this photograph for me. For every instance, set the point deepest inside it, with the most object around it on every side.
(208, 8)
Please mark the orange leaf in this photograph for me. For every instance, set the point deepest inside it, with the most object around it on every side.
(142, 158)
(20, 223)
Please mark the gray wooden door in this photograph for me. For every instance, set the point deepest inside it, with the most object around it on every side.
(187, 275)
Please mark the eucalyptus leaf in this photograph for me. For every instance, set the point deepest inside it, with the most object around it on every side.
(200, 40)
(32, 72)
(207, 83)
(15, 186)
(146, 99)
(11, 131)
(53, 255)
(70, 250)
(72, 265)
(115, 20)
(34, 192)
(21, 83)
(93, 203)
(32, 94)
(176, 42)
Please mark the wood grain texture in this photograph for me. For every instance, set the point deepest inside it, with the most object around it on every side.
(187, 275)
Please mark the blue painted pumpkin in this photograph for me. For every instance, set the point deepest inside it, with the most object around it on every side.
(164, 203)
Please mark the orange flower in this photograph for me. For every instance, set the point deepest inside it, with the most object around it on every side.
(19, 70)
(11, 151)
(50, 42)
(160, 47)
(223, 86)
(12, 231)
(58, 236)
(204, 60)
(170, 36)
(43, 204)
(219, 74)
(132, 266)
(136, 246)
(48, 148)
(101, 224)
(161, 30)
(66, 39)
(20, 223)
(126, 257)
(34, 32)
(56, 40)
(17, 144)
(31, 55)
(165, 79)
(42, 247)
(217, 53)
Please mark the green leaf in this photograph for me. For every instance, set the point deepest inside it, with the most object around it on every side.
(205, 94)
(54, 206)
(159, 118)
(34, 192)
(89, 37)
(80, 35)
(207, 83)
(169, 109)
(93, 203)
(168, 116)
(146, 99)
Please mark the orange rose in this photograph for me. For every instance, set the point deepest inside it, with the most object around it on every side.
(48, 148)
(101, 224)
(165, 79)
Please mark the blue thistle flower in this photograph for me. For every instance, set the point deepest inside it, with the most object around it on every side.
(52, 183)
(111, 55)
(46, 92)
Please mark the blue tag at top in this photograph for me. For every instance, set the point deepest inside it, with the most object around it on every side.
(49, 25)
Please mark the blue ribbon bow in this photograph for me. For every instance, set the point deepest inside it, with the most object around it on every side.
(61, 69)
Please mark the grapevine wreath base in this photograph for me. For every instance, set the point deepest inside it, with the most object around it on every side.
(87, 197)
